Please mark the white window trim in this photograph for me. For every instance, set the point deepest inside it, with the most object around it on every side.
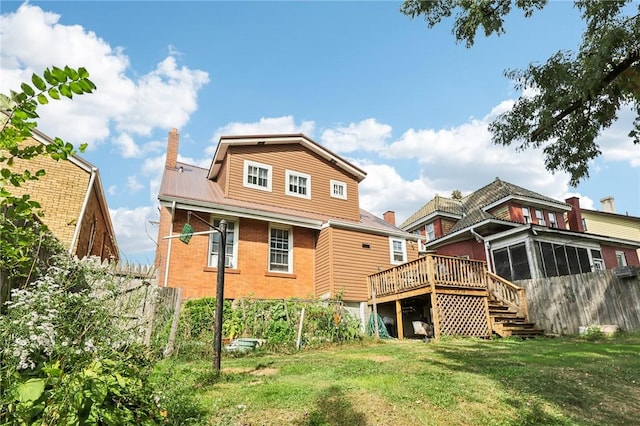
(540, 218)
(245, 175)
(234, 258)
(404, 251)
(553, 223)
(333, 183)
(426, 231)
(526, 217)
(620, 255)
(290, 251)
(287, 175)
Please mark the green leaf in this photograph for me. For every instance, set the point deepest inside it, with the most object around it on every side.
(5, 173)
(27, 89)
(83, 73)
(51, 79)
(82, 147)
(71, 73)
(65, 90)
(31, 390)
(42, 99)
(20, 114)
(53, 92)
(76, 88)
(38, 82)
(59, 74)
(86, 85)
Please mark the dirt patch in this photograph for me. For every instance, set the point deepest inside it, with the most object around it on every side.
(264, 372)
(380, 358)
(237, 370)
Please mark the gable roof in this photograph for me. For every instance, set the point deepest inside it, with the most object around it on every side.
(298, 138)
(473, 208)
(190, 187)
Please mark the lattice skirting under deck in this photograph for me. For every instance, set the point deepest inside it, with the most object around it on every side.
(462, 315)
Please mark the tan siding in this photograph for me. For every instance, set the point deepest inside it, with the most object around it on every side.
(323, 263)
(223, 176)
(501, 212)
(60, 192)
(298, 159)
(447, 225)
(613, 226)
(352, 263)
(101, 244)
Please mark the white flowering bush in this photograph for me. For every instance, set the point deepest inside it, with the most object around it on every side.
(66, 359)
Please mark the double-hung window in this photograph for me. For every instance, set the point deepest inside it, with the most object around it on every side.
(430, 231)
(397, 250)
(231, 253)
(552, 220)
(338, 189)
(526, 215)
(621, 258)
(280, 250)
(257, 175)
(298, 184)
(540, 218)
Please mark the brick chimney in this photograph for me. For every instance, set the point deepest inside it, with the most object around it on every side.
(607, 205)
(172, 149)
(390, 217)
(575, 215)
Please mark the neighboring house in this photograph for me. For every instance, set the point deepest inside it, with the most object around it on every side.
(73, 202)
(519, 233)
(295, 227)
(608, 222)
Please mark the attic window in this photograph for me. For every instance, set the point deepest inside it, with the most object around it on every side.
(338, 189)
(366, 245)
(257, 175)
(298, 184)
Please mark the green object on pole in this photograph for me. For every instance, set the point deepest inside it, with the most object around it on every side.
(187, 233)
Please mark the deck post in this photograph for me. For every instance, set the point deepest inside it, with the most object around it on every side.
(399, 324)
(434, 299)
(375, 310)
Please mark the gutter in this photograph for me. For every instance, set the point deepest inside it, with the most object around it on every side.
(487, 245)
(166, 266)
(85, 202)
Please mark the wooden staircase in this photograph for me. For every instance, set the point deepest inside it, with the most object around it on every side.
(506, 322)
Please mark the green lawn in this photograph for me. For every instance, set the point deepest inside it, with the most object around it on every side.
(562, 381)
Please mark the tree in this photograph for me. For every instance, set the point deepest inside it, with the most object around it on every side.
(567, 101)
(19, 238)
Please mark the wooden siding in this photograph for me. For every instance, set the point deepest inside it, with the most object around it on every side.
(102, 244)
(323, 265)
(297, 159)
(560, 305)
(612, 226)
(501, 212)
(223, 176)
(353, 263)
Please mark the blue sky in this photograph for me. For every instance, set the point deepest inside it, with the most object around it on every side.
(405, 103)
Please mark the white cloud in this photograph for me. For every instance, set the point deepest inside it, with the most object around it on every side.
(112, 190)
(134, 231)
(585, 202)
(133, 184)
(615, 143)
(128, 148)
(134, 106)
(269, 125)
(367, 135)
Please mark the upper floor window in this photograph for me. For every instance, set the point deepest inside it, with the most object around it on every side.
(526, 215)
(280, 250)
(540, 218)
(431, 232)
(298, 184)
(338, 189)
(621, 258)
(231, 250)
(397, 250)
(257, 175)
(552, 220)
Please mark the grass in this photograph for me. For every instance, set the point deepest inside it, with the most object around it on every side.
(562, 381)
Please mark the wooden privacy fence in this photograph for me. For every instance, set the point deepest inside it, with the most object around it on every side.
(560, 305)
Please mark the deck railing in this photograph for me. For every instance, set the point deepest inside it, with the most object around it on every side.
(427, 271)
(508, 293)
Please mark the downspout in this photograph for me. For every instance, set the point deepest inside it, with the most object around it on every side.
(486, 249)
(166, 266)
(76, 233)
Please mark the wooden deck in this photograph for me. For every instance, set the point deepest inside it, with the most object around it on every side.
(459, 291)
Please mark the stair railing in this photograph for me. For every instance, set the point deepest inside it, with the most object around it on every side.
(508, 293)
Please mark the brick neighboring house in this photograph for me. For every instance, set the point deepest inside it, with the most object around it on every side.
(296, 229)
(520, 233)
(73, 202)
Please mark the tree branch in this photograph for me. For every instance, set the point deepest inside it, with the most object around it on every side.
(630, 60)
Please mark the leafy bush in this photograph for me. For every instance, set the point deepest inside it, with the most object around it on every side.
(66, 359)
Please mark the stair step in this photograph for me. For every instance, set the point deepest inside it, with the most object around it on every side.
(519, 326)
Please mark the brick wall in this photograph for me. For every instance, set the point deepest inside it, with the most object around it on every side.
(471, 248)
(609, 256)
(60, 192)
(188, 267)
